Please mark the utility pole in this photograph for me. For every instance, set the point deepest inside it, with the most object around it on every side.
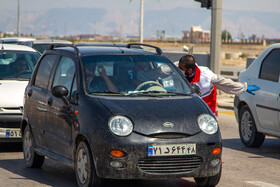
(216, 36)
(18, 21)
(141, 20)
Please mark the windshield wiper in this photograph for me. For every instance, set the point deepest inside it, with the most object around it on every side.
(106, 91)
(141, 93)
(174, 93)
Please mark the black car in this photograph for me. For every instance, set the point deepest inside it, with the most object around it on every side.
(118, 113)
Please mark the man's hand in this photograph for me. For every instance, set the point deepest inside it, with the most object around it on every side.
(251, 88)
(101, 71)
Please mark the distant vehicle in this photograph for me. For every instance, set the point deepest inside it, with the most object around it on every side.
(16, 65)
(14, 40)
(42, 45)
(118, 113)
(259, 115)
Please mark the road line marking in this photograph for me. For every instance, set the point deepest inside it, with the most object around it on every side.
(261, 184)
(231, 113)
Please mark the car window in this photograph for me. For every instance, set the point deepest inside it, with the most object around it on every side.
(130, 73)
(17, 64)
(271, 66)
(44, 71)
(41, 47)
(64, 73)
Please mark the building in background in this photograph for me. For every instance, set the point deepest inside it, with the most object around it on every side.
(196, 35)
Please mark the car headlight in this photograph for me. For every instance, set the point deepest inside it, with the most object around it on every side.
(207, 124)
(120, 125)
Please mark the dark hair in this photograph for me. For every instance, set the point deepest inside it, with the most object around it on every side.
(188, 61)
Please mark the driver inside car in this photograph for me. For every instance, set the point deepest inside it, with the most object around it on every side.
(144, 72)
(19, 66)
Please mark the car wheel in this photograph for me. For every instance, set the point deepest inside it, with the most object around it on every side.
(84, 167)
(32, 159)
(209, 181)
(248, 133)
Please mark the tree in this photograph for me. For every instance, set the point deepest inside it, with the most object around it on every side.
(226, 36)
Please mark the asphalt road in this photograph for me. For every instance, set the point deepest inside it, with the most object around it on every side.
(246, 167)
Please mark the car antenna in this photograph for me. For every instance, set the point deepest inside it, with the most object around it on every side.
(118, 47)
(2, 47)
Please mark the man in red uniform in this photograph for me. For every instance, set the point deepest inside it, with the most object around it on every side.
(207, 81)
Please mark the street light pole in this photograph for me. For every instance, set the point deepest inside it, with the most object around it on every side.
(18, 21)
(141, 20)
(216, 36)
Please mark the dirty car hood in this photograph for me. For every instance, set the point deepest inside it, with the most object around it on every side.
(149, 115)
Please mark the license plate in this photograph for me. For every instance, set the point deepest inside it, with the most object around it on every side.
(13, 133)
(171, 150)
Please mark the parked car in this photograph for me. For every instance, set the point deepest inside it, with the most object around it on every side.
(118, 113)
(16, 65)
(14, 40)
(258, 115)
(42, 45)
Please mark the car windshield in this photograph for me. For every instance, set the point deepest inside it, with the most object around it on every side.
(132, 75)
(17, 64)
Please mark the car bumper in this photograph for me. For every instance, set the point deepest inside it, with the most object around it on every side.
(10, 128)
(136, 164)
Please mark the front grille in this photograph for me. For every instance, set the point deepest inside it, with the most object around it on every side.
(169, 135)
(9, 124)
(169, 165)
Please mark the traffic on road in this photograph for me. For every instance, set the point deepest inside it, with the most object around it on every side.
(119, 115)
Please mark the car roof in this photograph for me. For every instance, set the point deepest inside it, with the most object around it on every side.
(7, 40)
(108, 50)
(51, 41)
(14, 47)
(98, 50)
(107, 44)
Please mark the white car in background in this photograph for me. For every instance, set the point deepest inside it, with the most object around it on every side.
(14, 40)
(16, 66)
(42, 45)
(259, 115)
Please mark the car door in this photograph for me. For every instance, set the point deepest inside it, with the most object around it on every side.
(36, 101)
(267, 98)
(60, 115)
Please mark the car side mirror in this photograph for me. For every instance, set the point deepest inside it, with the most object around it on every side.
(59, 91)
(196, 89)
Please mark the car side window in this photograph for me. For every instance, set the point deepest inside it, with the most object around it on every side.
(44, 71)
(271, 66)
(64, 73)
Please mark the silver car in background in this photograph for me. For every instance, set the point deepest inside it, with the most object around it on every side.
(259, 115)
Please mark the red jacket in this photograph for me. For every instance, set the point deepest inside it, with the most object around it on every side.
(202, 78)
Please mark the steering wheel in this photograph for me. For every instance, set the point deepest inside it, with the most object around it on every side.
(23, 72)
(151, 84)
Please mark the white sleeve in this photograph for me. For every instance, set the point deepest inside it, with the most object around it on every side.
(228, 85)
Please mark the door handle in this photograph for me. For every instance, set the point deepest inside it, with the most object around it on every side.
(50, 101)
(29, 93)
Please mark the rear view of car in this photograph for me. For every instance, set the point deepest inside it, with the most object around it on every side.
(16, 66)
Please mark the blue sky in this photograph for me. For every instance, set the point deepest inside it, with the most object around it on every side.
(247, 5)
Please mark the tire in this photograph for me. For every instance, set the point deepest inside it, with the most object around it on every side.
(32, 159)
(209, 181)
(84, 167)
(248, 133)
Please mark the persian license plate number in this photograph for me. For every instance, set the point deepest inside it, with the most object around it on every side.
(13, 133)
(171, 150)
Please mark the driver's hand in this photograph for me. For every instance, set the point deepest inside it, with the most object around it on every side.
(101, 71)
